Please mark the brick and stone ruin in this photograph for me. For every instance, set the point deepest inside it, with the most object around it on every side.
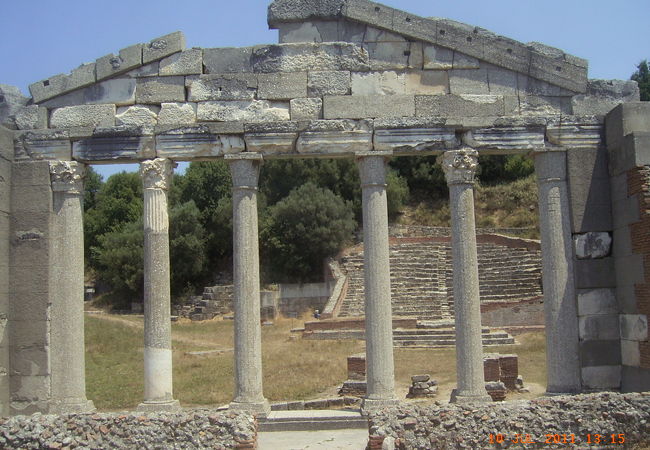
(349, 79)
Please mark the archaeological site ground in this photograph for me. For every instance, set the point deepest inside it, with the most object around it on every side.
(348, 79)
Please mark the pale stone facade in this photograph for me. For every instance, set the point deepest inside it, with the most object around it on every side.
(350, 78)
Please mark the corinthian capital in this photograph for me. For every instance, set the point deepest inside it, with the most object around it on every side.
(156, 173)
(459, 166)
(67, 176)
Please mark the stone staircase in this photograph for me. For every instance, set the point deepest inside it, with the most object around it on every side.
(445, 337)
(421, 276)
(215, 300)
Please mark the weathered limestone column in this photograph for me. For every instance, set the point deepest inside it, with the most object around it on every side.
(156, 177)
(67, 359)
(379, 321)
(560, 310)
(244, 169)
(460, 167)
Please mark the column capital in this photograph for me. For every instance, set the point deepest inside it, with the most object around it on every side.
(67, 176)
(156, 173)
(245, 170)
(459, 166)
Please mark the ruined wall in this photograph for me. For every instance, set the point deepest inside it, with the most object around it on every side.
(31, 285)
(6, 156)
(628, 142)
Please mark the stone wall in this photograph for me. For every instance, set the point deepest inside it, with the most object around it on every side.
(628, 143)
(6, 157)
(304, 297)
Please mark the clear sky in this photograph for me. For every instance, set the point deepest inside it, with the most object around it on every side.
(41, 38)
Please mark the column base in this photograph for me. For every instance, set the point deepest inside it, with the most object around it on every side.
(258, 409)
(153, 406)
(469, 398)
(71, 406)
(373, 404)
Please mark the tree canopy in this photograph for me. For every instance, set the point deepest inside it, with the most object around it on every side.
(642, 77)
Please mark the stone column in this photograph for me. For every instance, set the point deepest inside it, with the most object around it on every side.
(560, 310)
(156, 177)
(244, 169)
(379, 321)
(67, 357)
(460, 167)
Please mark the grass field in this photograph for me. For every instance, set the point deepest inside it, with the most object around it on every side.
(294, 368)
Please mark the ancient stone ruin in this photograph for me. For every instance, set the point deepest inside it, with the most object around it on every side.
(349, 79)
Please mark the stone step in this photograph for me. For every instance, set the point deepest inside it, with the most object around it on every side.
(312, 420)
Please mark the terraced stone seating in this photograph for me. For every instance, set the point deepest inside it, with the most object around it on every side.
(215, 300)
(421, 275)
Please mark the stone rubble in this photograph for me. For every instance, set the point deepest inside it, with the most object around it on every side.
(471, 425)
(189, 429)
(422, 386)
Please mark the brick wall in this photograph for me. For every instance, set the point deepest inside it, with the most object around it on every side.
(639, 186)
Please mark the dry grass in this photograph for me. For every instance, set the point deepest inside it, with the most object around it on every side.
(293, 368)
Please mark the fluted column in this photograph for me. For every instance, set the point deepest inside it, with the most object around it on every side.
(158, 393)
(67, 358)
(244, 169)
(379, 322)
(560, 310)
(460, 167)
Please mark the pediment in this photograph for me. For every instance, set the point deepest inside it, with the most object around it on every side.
(367, 23)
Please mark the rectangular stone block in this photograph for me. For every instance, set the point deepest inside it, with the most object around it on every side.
(29, 302)
(558, 72)
(243, 111)
(29, 389)
(32, 117)
(459, 36)
(372, 34)
(48, 88)
(368, 12)
(31, 361)
(309, 56)
(163, 46)
(622, 242)
(505, 52)
(459, 105)
(5, 186)
(282, 86)
(634, 327)
(30, 333)
(42, 145)
(160, 90)
(508, 139)
(31, 173)
(227, 60)
(635, 379)
(394, 55)
(539, 105)
(427, 82)
(112, 65)
(598, 327)
(414, 140)
(625, 211)
(306, 108)
(147, 70)
(321, 83)
(634, 152)
(221, 87)
(334, 142)
(469, 81)
(83, 116)
(595, 273)
(601, 377)
(31, 199)
(437, 58)
(189, 146)
(630, 353)
(378, 83)
(309, 31)
(83, 75)
(177, 113)
(362, 107)
(501, 81)
(600, 353)
(630, 270)
(114, 148)
(589, 190)
(187, 62)
(626, 296)
(118, 91)
(271, 143)
(597, 301)
(626, 118)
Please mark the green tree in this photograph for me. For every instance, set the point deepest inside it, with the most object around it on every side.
(92, 185)
(187, 247)
(642, 77)
(302, 230)
(118, 202)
